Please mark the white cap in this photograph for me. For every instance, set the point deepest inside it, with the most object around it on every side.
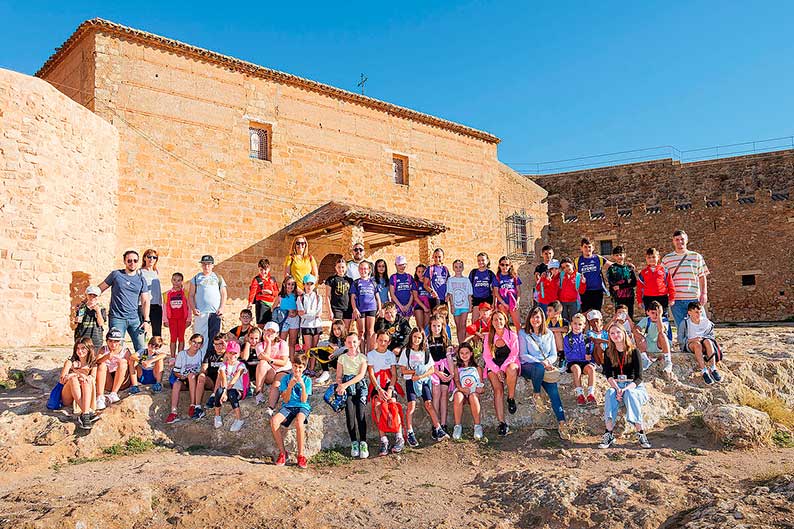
(271, 325)
(93, 290)
(594, 315)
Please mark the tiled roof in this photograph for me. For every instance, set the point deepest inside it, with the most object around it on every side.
(238, 65)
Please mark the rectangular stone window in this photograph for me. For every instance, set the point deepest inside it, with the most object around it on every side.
(259, 140)
(400, 169)
(518, 226)
(748, 280)
(606, 248)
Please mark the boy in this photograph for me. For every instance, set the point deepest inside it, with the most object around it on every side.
(548, 258)
(592, 266)
(655, 284)
(622, 280)
(696, 336)
(559, 327)
(652, 332)
(547, 288)
(177, 313)
(240, 333)
(262, 294)
(479, 328)
(394, 325)
(338, 294)
(90, 318)
(147, 366)
(208, 377)
(295, 390)
(572, 286)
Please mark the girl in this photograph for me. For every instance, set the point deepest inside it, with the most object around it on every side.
(299, 262)
(365, 302)
(147, 365)
(421, 297)
(438, 344)
(351, 379)
(459, 297)
(78, 379)
(274, 363)
(381, 278)
(468, 388)
(623, 370)
(596, 335)
(500, 354)
(417, 368)
(572, 286)
(112, 369)
(327, 351)
(310, 310)
(287, 303)
(382, 369)
(151, 275)
(185, 371)
(538, 353)
(435, 278)
(401, 288)
(482, 281)
(506, 290)
(580, 360)
(230, 386)
(249, 354)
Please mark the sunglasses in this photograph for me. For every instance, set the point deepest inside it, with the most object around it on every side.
(154, 257)
(358, 249)
(132, 261)
(300, 243)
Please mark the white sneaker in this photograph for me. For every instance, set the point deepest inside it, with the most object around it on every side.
(322, 379)
(457, 432)
(668, 366)
(354, 449)
(218, 421)
(113, 397)
(259, 398)
(237, 425)
(100, 402)
(478, 432)
(270, 411)
(363, 450)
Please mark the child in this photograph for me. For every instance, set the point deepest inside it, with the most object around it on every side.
(622, 280)
(262, 293)
(351, 379)
(287, 303)
(147, 365)
(468, 388)
(177, 313)
(547, 286)
(338, 293)
(395, 326)
(459, 297)
(572, 286)
(506, 290)
(597, 336)
(381, 278)
(479, 327)
(274, 365)
(421, 298)
(651, 333)
(401, 288)
(310, 310)
(327, 351)
(78, 378)
(548, 259)
(230, 386)
(249, 353)
(482, 280)
(208, 377)
(655, 284)
(240, 332)
(417, 367)
(382, 369)
(90, 318)
(440, 348)
(295, 390)
(186, 370)
(112, 372)
(579, 360)
(559, 327)
(696, 336)
(365, 302)
(435, 279)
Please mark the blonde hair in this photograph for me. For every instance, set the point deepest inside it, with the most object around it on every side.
(580, 318)
(612, 350)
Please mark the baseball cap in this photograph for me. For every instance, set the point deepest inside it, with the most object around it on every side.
(207, 259)
(233, 347)
(554, 263)
(114, 334)
(594, 315)
(93, 290)
(484, 306)
(271, 326)
(309, 278)
(400, 260)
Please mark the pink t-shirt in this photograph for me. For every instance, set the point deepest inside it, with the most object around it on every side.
(113, 361)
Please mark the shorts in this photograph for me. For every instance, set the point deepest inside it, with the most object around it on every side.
(460, 312)
(311, 331)
(147, 376)
(289, 415)
(434, 302)
(475, 302)
(342, 314)
(251, 366)
(582, 365)
(368, 313)
(173, 380)
(264, 312)
(291, 323)
(425, 300)
(425, 391)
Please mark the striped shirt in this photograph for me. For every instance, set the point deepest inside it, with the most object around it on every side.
(687, 278)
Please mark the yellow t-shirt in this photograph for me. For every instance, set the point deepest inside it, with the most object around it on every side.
(299, 267)
(351, 365)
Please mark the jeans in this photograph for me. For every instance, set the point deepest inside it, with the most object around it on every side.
(633, 400)
(679, 310)
(534, 371)
(132, 326)
(569, 308)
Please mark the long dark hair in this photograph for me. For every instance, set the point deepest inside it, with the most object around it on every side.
(459, 361)
(283, 292)
(528, 324)
(90, 356)
(378, 277)
(410, 344)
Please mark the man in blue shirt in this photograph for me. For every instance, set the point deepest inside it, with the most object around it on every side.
(128, 288)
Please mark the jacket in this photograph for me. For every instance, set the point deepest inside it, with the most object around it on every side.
(655, 282)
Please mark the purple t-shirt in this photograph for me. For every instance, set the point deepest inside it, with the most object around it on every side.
(590, 268)
(482, 281)
(403, 285)
(365, 291)
(508, 282)
(419, 287)
(438, 276)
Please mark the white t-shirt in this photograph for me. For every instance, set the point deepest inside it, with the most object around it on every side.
(460, 289)
(186, 364)
(381, 361)
(414, 359)
(231, 370)
(696, 330)
(312, 304)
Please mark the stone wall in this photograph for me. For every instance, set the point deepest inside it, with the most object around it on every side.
(58, 203)
(747, 235)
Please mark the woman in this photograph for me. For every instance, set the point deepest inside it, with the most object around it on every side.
(500, 354)
(538, 354)
(150, 274)
(623, 371)
(299, 262)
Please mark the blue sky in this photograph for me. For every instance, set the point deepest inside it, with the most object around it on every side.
(554, 80)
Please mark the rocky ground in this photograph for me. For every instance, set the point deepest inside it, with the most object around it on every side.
(715, 463)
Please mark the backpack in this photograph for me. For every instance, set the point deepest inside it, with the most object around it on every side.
(334, 400)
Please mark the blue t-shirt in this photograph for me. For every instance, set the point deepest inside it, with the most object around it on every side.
(290, 302)
(383, 290)
(590, 268)
(125, 293)
(365, 291)
(438, 276)
(403, 285)
(419, 287)
(482, 281)
(603, 335)
(208, 291)
(295, 396)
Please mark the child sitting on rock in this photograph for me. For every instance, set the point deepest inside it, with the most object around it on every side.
(146, 366)
(696, 336)
(650, 335)
(580, 360)
(230, 385)
(78, 378)
(295, 391)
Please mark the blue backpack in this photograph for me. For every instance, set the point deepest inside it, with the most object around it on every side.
(335, 401)
(55, 402)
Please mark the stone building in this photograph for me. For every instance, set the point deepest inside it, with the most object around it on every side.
(218, 155)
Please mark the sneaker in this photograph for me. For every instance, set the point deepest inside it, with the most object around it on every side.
(93, 417)
(81, 422)
(647, 362)
(504, 429)
(563, 366)
(282, 459)
(478, 432)
(191, 410)
(580, 400)
(441, 434)
(210, 402)
(457, 432)
(716, 376)
(269, 411)
(100, 403)
(259, 399)
(399, 444)
(707, 378)
(363, 450)
(591, 399)
(157, 387)
(444, 429)
(511, 406)
(218, 421)
(237, 425)
(134, 390)
(199, 413)
(642, 439)
(302, 462)
(384, 448)
(562, 431)
(172, 418)
(607, 441)
(322, 379)
(355, 451)
(412, 442)
(113, 397)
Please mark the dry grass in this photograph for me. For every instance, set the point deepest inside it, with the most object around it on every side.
(772, 406)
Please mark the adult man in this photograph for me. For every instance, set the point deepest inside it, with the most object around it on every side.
(688, 271)
(207, 297)
(358, 258)
(127, 289)
(591, 266)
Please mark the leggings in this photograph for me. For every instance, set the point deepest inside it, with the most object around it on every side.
(355, 414)
(232, 395)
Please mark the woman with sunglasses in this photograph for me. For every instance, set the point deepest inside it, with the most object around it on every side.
(152, 278)
(299, 262)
